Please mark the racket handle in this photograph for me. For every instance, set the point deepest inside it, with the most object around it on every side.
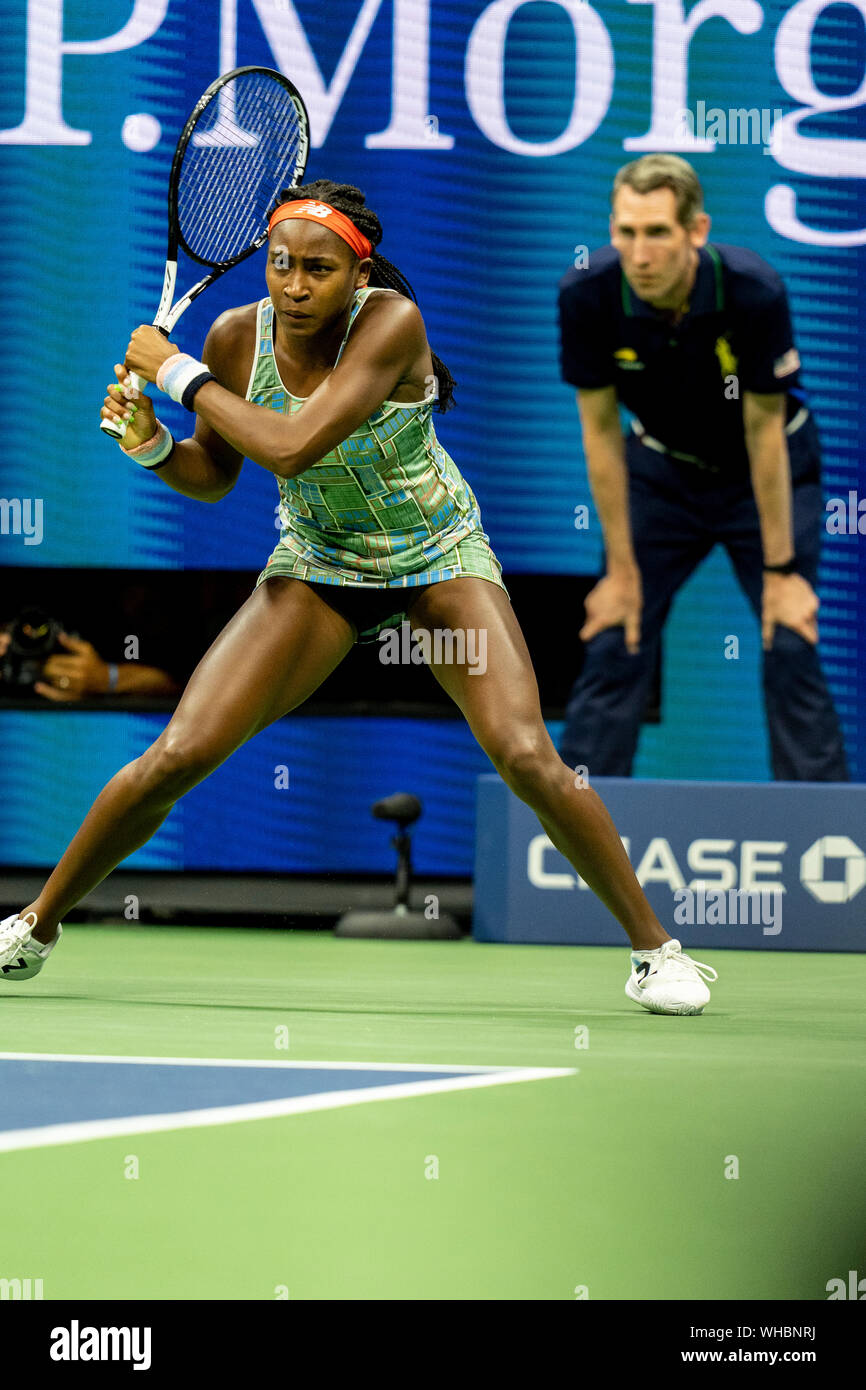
(116, 429)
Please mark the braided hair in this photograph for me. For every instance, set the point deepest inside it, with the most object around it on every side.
(351, 202)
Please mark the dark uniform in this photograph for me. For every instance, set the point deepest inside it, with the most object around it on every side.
(689, 488)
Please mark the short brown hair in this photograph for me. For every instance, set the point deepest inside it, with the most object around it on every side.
(653, 171)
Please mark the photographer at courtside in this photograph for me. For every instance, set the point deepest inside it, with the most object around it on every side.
(37, 658)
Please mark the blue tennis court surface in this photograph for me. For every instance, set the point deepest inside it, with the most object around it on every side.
(54, 1092)
(57, 1099)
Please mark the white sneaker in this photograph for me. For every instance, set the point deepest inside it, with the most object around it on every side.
(20, 956)
(667, 981)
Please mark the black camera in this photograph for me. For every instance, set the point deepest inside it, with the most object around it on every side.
(34, 636)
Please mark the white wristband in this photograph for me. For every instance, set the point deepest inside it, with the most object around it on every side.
(177, 373)
(155, 450)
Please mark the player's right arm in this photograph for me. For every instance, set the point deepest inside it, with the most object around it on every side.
(204, 466)
(617, 600)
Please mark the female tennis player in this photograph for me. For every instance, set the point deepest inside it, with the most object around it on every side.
(329, 383)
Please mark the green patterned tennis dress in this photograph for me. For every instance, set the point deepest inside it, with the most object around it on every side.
(387, 509)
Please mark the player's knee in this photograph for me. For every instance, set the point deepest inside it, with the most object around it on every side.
(175, 763)
(521, 760)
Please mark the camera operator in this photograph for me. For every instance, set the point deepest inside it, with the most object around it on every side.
(73, 669)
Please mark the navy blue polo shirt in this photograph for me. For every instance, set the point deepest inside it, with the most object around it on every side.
(684, 382)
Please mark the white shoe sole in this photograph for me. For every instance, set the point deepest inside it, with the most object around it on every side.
(636, 994)
(20, 968)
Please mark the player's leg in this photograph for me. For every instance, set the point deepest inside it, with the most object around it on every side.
(606, 705)
(805, 738)
(502, 708)
(275, 651)
(499, 698)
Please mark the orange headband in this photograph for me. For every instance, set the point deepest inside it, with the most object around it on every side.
(327, 216)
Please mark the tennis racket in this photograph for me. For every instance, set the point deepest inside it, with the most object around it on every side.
(247, 138)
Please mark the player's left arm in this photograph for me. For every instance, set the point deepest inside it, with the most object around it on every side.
(787, 598)
(385, 347)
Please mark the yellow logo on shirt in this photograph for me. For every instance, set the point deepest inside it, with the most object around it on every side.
(627, 357)
(725, 354)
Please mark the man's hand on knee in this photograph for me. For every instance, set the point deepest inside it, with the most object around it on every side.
(789, 599)
(616, 601)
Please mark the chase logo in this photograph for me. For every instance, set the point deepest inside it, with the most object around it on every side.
(627, 358)
(659, 864)
(833, 890)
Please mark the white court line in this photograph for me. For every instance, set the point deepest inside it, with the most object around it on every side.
(80, 1131)
(253, 1062)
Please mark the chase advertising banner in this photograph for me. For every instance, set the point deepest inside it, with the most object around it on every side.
(721, 865)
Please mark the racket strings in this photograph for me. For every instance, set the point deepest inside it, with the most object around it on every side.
(243, 150)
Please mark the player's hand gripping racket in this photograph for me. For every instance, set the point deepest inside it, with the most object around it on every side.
(246, 139)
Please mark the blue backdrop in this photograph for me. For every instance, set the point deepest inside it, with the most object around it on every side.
(486, 136)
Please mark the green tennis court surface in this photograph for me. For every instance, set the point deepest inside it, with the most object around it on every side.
(610, 1177)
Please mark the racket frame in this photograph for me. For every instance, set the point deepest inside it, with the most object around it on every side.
(168, 313)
